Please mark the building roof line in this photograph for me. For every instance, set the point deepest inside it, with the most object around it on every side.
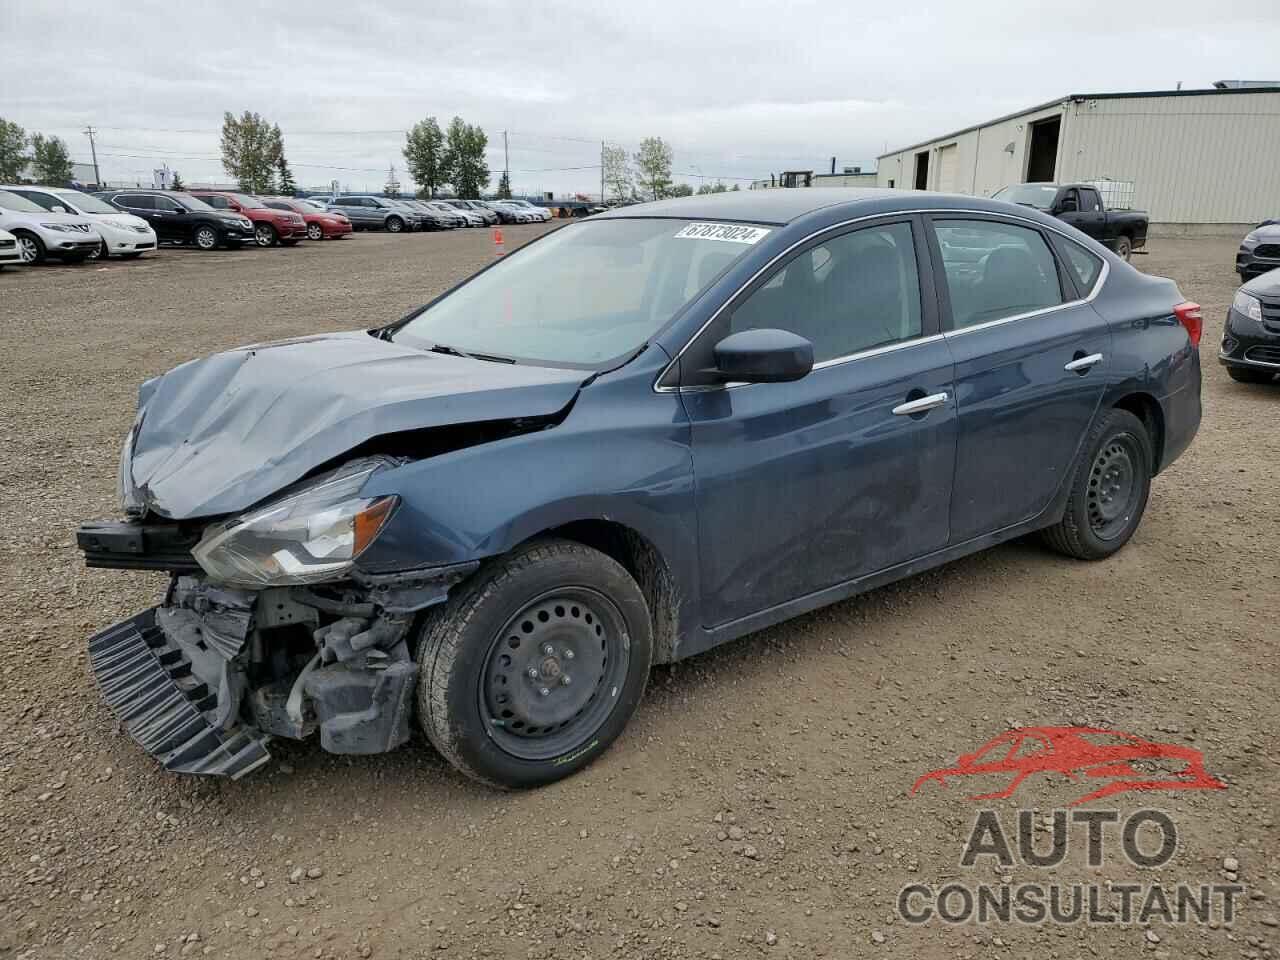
(1076, 97)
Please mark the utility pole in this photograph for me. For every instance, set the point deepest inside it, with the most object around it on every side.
(93, 149)
(602, 173)
(506, 161)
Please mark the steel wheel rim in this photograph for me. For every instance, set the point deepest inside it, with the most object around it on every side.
(28, 249)
(571, 632)
(1114, 488)
(314, 232)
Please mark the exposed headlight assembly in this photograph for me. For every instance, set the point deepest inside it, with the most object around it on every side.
(310, 535)
(1247, 306)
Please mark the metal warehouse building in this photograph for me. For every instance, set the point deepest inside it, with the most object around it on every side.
(1200, 161)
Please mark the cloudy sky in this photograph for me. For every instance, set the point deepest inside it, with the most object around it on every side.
(738, 89)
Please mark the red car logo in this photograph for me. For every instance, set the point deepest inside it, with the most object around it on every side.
(1078, 752)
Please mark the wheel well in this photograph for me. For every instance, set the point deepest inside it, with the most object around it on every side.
(645, 563)
(1145, 408)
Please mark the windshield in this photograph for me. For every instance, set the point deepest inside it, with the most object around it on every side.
(585, 294)
(11, 201)
(1038, 195)
(191, 203)
(86, 203)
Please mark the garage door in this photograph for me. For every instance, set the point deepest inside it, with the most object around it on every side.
(948, 170)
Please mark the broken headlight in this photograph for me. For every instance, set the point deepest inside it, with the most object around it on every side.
(308, 536)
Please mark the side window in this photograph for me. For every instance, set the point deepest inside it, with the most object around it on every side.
(218, 203)
(41, 199)
(1085, 265)
(995, 270)
(1090, 202)
(167, 205)
(852, 293)
(136, 201)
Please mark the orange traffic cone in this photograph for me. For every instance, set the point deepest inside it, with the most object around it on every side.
(497, 243)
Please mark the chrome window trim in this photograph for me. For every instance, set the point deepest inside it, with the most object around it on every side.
(1097, 288)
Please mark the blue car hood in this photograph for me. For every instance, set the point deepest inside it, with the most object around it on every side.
(217, 435)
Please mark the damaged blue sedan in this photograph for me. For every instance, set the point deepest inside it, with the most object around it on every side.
(638, 437)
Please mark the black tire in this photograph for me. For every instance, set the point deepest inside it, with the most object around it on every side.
(477, 702)
(1248, 375)
(1124, 248)
(315, 231)
(205, 238)
(264, 235)
(30, 248)
(102, 253)
(1110, 484)
(394, 225)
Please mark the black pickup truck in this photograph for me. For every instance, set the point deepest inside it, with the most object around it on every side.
(1080, 205)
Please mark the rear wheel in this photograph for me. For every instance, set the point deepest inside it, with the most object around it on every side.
(206, 238)
(1247, 375)
(264, 235)
(30, 247)
(315, 231)
(1124, 248)
(1110, 483)
(535, 665)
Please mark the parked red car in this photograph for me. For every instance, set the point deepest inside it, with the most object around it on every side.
(269, 226)
(321, 224)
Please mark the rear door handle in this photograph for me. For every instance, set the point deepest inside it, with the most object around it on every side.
(1083, 364)
(922, 405)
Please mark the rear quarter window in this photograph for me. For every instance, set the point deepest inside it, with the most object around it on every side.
(1085, 267)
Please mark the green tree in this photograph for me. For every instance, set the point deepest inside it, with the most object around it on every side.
(176, 183)
(50, 160)
(653, 167)
(464, 158)
(504, 187)
(424, 156)
(617, 172)
(678, 190)
(735, 189)
(284, 176)
(13, 151)
(249, 151)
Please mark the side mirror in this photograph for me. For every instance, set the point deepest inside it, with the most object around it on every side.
(763, 356)
(1068, 206)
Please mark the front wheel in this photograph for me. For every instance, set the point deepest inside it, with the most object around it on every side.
(102, 253)
(1124, 249)
(535, 665)
(206, 238)
(395, 224)
(1110, 483)
(30, 248)
(264, 235)
(315, 231)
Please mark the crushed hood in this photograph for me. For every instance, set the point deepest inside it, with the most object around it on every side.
(218, 435)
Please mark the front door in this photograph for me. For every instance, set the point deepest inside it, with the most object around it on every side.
(805, 485)
(1084, 211)
(1031, 365)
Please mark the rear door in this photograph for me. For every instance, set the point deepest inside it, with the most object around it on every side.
(1031, 365)
(144, 205)
(805, 485)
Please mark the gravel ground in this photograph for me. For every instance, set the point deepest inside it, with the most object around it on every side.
(759, 803)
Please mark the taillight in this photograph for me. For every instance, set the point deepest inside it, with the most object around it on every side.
(1188, 315)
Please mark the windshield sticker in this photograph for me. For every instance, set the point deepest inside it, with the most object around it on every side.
(729, 232)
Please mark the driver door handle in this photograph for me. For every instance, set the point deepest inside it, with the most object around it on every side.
(923, 405)
(1081, 364)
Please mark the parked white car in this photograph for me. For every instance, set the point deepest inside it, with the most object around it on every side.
(526, 211)
(10, 255)
(123, 234)
(41, 234)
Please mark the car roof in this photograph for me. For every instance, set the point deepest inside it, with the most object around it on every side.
(781, 206)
